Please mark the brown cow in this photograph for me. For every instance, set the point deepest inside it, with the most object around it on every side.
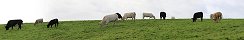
(216, 17)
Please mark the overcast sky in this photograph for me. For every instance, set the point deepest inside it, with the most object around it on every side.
(30, 10)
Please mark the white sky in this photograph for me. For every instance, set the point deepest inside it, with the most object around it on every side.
(30, 10)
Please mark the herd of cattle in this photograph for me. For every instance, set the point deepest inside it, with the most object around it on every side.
(114, 17)
(19, 22)
(216, 17)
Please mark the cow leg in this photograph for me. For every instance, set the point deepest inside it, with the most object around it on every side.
(164, 18)
(201, 19)
(160, 17)
(56, 25)
(218, 20)
(19, 26)
(134, 19)
(194, 19)
(153, 17)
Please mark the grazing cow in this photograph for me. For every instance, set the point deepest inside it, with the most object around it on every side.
(197, 15)
(12, 23)
(150, 15)
(38, 21)
(109, 18)
(162, 14)
(54, 21)
(129, 15)
(217, 16)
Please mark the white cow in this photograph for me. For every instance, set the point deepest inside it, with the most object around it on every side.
(129, 15)
(172, 17)
(150, 15)
(38, 21)
(108, 18)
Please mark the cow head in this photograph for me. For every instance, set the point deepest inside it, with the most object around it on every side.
(119, 16)
(6, 27)
(193, 19)
(153, 17)
(48, 26)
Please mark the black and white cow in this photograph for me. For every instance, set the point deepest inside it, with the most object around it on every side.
(197, 15)
(12, 23)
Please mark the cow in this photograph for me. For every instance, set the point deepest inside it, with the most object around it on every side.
(53, 22)
(173, 18)
(38, 21)
(150, 15)
(12, 23)
(129, 15)
(217, 16)
(197, 15)
(162, 14)
(109, 18)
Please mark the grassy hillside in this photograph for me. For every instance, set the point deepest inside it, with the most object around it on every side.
(183, 29)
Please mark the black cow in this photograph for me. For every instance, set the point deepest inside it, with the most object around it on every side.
(54, 21)
(197, 15)
(119, 16)
(12, 23)
(162, 14)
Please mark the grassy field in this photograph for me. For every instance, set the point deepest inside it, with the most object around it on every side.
(183, 29)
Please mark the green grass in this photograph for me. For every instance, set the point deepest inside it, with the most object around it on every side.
(183, 29)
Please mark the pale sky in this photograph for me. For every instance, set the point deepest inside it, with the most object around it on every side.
(30, 10)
